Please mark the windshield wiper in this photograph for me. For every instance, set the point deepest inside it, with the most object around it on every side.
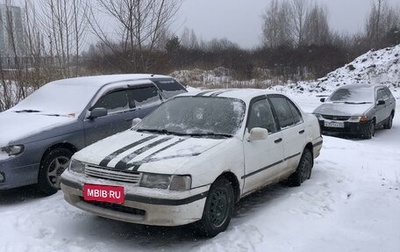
(161, 131)
(213, 134)
(27, 111)
(347, 102)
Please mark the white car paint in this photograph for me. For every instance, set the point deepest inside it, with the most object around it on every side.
(253, 164)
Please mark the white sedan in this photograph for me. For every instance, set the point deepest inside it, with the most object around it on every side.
(192, 158)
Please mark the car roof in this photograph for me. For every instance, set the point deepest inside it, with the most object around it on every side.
(102, 80)
(355, 86)
(245, 94)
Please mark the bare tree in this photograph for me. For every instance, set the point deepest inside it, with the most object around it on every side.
(316, 28)
(299, 10)
(63, 24)
(380, 21)
(189, 39)
(141, 23)
(276, 30)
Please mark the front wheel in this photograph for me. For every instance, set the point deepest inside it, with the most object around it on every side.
(51, 168)
(371, 130)
(218, 208)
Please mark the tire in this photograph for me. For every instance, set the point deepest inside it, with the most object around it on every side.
(218, 209)
(389, 123)
(53, 164)
(303, 171)
(371, 130)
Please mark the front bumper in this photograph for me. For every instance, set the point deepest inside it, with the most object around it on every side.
(15, 172)
(349, 128)
(146, 206)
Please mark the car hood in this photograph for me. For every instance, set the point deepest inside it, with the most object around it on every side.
(138, 151)
(15, 126)
(342, 109)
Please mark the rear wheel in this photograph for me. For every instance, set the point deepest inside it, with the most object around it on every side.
(51, 168)
(218, 209)
(303, 171)
(389, 123)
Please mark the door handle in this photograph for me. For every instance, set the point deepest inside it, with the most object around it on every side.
(278, 140)
(301, 131)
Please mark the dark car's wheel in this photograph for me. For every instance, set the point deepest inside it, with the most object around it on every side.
(370, 131)
(53, 164)
(389, 122)
(303, 171)
(218, 209)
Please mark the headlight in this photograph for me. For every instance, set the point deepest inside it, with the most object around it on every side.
(162, 181)
(318, 116)
(77, 166)
(13, 150)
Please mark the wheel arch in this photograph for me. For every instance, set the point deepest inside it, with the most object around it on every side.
(309, 146)
(67, 146)
(234, 182)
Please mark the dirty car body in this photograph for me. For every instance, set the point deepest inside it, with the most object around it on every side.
(193, 157)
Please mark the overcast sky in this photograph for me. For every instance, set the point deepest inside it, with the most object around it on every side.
(240, 20)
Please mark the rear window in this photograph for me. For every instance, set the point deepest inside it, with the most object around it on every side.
(169, 87)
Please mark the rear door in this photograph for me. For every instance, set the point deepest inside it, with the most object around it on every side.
(292, 126)
(263, 158)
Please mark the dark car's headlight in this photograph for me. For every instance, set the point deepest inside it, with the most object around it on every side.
(12, 150)
(77, 166)
(162, 181)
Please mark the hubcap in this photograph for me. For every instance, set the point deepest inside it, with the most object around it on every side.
(218, 207)
(56, 168)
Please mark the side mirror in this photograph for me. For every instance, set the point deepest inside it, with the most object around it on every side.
(135, 122)
(257, 133)
(381, 102)
(322, 100)
(97, 112)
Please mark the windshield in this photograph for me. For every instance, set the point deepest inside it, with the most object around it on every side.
(196, 116)
(353, 95)
(57, 98)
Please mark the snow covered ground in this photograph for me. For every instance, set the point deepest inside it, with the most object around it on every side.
(351, 202)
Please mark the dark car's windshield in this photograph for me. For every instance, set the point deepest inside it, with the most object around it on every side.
(353, 95)
(198, 116)
(57, 98)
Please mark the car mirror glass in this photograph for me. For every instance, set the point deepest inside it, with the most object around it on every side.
(381, 102)
(98, 112)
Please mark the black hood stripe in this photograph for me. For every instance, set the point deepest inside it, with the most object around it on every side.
(218, 93)
(204, 92)
(122, 164)
(135, 166)
(110, 157)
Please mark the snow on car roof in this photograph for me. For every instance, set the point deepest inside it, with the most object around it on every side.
(101, 80)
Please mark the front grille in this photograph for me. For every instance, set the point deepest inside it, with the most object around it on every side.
(122, 176)
(118, 208)
(337, 118)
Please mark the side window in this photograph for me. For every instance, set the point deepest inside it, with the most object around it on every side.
(261, 116)
(141, 96)
(169, 87)
(286, 111)
(388, 93)
(114, 102)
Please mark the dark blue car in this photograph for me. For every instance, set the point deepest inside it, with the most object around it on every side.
(40, 134)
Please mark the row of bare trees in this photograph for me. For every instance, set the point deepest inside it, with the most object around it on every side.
(135, 36)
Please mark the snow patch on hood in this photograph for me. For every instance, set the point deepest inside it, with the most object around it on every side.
(19, 125)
